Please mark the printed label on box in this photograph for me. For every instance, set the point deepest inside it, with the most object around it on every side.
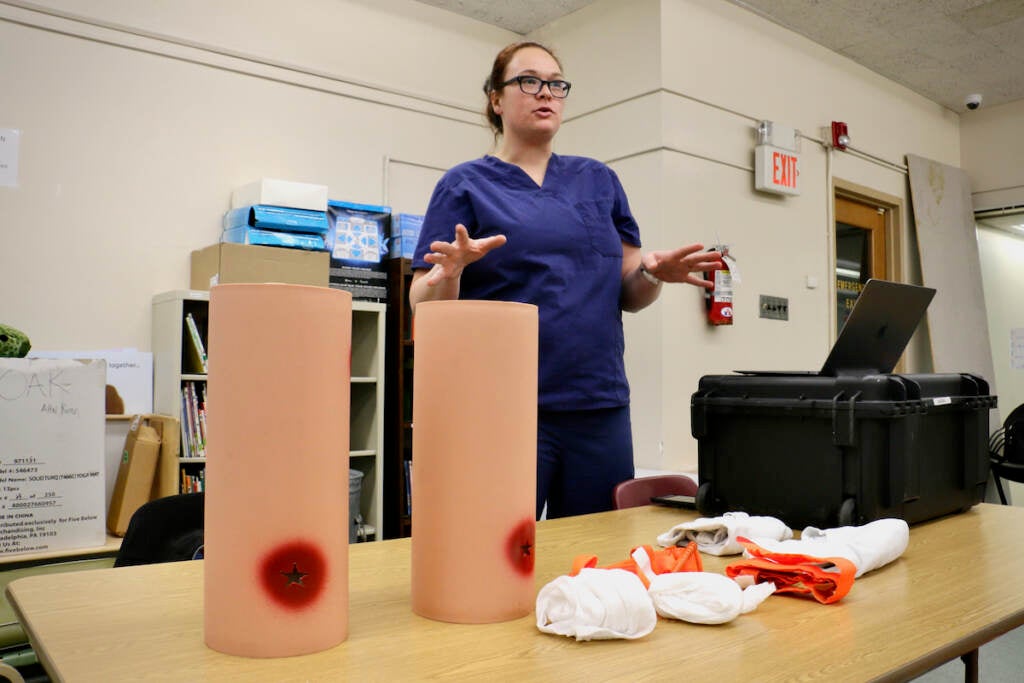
(52, 469)
(357, 239)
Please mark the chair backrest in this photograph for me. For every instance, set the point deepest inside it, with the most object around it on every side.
(164, 530)
(1013, 436)
(635, 492)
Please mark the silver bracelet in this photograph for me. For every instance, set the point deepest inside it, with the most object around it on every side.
(649, 276)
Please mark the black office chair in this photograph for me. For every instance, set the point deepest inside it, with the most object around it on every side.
(1006, 451)
(167, 529)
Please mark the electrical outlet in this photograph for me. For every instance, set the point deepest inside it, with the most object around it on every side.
(774, 307)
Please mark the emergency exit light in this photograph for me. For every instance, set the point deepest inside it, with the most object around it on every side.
(777, 159)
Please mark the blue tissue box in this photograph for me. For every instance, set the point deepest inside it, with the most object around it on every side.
(357, 234)
(277, 218)
(274, 238)
(405, 233)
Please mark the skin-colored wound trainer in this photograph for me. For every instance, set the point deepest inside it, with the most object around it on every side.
(474, 460)
(276, 534)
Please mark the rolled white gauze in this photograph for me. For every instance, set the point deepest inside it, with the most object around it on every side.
(703, 597)
(868, 546)
(717, 535)
(596, 604)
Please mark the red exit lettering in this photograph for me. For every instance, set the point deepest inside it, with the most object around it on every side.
(784, 169)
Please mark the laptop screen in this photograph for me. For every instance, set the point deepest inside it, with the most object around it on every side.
(879, 328)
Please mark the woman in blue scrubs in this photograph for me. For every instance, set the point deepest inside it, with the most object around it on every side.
(528, 225)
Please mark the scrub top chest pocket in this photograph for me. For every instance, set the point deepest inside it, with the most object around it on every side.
(596, 217)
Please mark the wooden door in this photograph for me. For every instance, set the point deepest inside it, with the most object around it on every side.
(860, 251)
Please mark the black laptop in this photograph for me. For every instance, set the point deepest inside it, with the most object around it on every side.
(879, 328)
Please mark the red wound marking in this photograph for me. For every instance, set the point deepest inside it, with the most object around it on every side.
(293, 574)
(521, 545)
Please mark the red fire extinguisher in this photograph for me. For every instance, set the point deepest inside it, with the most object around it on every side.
(718, 299)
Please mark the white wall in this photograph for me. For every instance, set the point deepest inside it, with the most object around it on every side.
(131, 143)
(1002, 256)
(138, 119)
(691, 120)
(993, 148)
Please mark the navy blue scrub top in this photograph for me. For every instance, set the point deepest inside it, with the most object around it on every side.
(564, 254)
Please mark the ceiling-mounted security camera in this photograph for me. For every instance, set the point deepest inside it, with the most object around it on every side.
(973, 101)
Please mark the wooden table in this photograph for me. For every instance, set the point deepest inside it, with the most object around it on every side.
(16, 566)
(954, 589)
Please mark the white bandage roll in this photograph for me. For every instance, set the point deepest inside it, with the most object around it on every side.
(717, 535)
(704, 598)
(596, 604)
(868, 546)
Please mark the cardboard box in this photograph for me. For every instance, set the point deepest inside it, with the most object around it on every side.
(227, 263)
(358, 234)
(281, 193)
(405, 233)
(165, 482)
(277, 218)
(363, 292)
(274, 238)
(135, 474)
(365, 284)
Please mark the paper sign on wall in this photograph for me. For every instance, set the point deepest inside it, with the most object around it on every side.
(1017, 348)
(9, 142)
(52, 471)
(129, 373)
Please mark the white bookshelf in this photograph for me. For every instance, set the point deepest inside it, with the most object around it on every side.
(366, 428)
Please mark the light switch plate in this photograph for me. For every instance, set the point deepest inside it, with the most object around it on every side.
(774, 307)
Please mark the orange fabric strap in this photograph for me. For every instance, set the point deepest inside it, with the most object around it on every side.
(663, 561)
(826, 579)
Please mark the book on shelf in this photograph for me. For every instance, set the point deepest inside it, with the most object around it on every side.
(193, 420)
(193, 483)
(186, 427)
(196, 348)
(202, 415)
(198, 408)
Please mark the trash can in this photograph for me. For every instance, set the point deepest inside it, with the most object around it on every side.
(355, 490)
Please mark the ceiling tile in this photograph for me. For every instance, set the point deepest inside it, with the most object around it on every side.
(1008, 36)
(934, 47)
(990, 14)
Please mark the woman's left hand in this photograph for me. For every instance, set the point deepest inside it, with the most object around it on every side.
(679, 265)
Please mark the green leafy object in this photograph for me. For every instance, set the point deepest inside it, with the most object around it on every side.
(13, 343)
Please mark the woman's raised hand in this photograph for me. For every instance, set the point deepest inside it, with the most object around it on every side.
(449, 258)
(679, 265)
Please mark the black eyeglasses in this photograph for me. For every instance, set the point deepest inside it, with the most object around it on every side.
(532, 85)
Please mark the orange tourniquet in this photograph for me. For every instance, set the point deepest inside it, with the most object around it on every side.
(827, 579)
(663, 561)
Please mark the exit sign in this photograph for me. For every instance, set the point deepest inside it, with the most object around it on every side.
(776, 170)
